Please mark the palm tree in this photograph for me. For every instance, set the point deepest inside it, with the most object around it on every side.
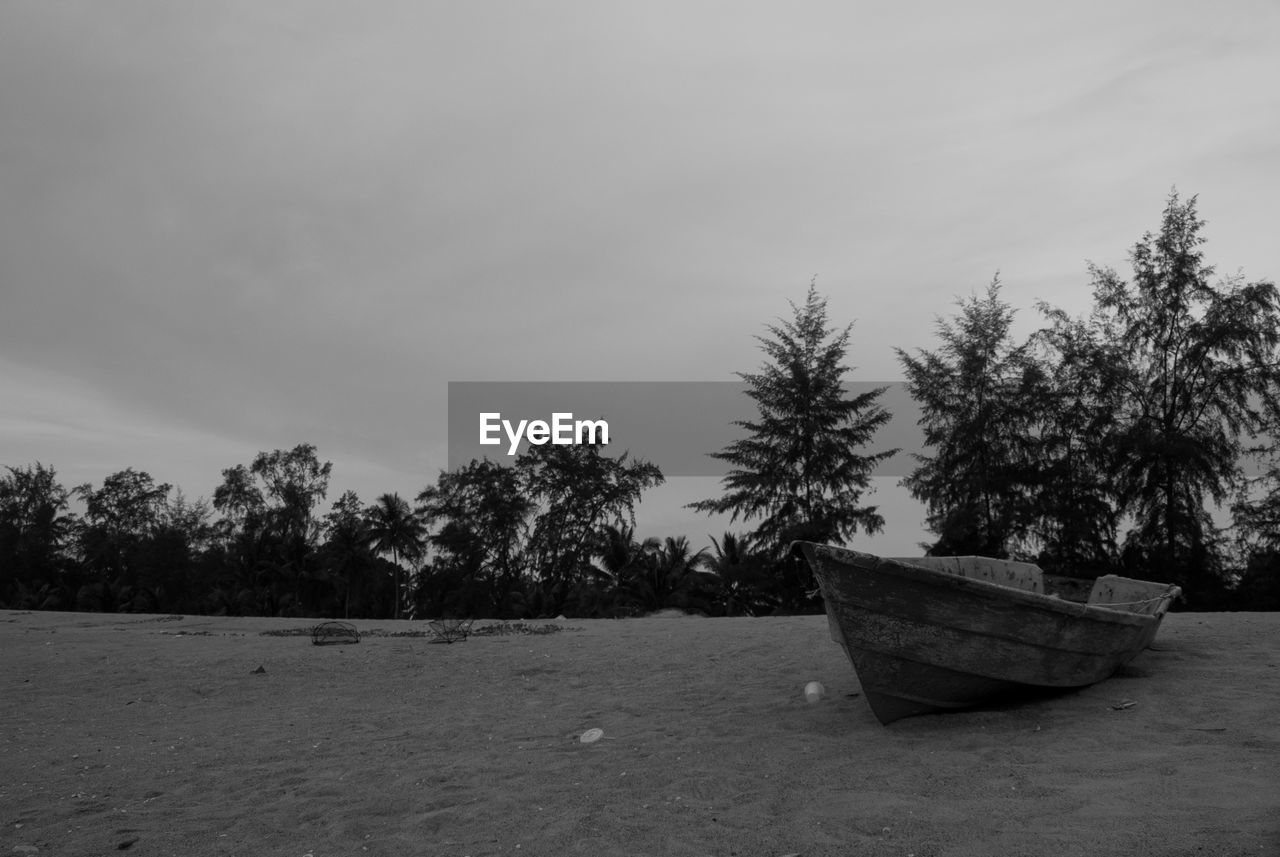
(395, 528)
(746, 585)
(346, 552)
(671, 576)
(622, 560)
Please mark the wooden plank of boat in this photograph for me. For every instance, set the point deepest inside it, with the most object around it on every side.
(931, 633)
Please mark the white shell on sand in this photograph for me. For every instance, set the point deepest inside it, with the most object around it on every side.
(591, 736)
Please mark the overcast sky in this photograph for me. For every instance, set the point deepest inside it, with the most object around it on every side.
(229, 227)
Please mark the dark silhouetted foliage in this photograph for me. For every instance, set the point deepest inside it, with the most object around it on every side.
(801, 469)
(979, 395)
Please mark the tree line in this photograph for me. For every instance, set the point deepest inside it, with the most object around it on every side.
(1095, 445)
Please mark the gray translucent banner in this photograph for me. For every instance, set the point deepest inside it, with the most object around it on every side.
(673, 424)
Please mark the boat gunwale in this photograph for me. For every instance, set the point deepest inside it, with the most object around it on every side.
(903, 568)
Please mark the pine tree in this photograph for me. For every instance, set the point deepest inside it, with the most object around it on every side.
(801, 470)
(1199, 364)
(978, 395)
(1076, 503)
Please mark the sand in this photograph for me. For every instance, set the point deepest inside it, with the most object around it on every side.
(159, 736)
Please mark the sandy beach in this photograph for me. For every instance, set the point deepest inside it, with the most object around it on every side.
(160, 735)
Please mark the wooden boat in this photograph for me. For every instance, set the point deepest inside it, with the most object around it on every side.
(932, 633)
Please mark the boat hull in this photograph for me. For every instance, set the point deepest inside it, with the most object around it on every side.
(928, 638)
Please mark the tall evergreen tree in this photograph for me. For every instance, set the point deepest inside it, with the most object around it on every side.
(1075, 500)
(978, 396)
(1256, 518)
(801, 469)
(1199, 367)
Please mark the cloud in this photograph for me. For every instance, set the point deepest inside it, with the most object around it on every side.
(257, 224)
